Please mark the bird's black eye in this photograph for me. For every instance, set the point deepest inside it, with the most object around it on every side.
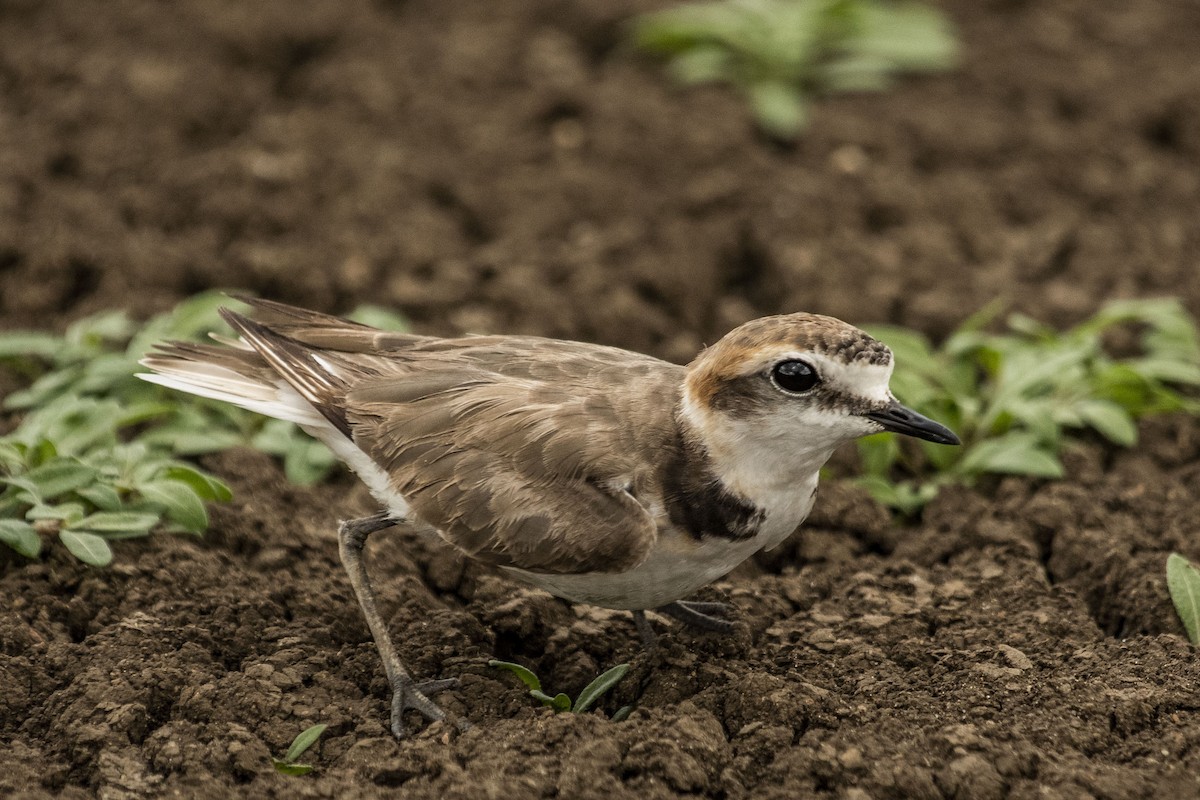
(795, 376)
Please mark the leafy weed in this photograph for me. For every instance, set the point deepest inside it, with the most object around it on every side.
(97, 454)
(561, 702)
(779, 53)
(1183, 583)
(1017, 398)
(305, 739)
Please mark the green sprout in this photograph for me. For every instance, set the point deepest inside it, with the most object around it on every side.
(1183, 582)
(780, 52)
(561, 702)
(304, 740)
(1018, 398)
(97, 455)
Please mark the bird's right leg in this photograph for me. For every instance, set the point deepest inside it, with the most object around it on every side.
(406, 692)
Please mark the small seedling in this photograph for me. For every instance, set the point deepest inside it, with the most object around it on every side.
(779, 53)
(1018, 398)
(561, 702)
(306, 739)
(95, 454)
(1183, 582)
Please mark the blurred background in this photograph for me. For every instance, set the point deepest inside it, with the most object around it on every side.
(521, 167)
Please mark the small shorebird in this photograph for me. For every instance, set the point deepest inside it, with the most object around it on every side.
(600, 475)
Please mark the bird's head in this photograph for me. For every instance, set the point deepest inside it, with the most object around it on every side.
(778, 394)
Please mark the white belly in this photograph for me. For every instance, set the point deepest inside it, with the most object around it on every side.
(678, 565)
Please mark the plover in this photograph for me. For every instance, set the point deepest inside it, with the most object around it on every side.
(600, 475)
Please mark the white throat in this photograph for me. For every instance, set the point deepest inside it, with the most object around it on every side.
(766, 459)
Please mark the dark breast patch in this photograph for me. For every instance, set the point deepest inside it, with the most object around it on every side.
(696, 500)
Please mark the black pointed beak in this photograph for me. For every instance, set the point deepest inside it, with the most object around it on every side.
(901, 419)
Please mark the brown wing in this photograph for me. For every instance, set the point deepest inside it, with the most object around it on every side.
(519, 473)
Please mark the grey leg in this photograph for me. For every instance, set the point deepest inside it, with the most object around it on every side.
(406, 693)
(699, 615)
(649, 637)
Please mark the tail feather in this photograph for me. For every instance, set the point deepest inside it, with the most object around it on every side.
(270, 372)
(307, 372)
(272, 311)
(325, 331)
(232, 376)
(272, 368)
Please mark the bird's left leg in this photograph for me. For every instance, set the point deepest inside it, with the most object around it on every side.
(645, 630)
(406, 692)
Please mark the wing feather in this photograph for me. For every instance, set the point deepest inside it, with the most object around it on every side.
(513, 472)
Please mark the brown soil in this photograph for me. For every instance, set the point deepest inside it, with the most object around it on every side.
(512, 167)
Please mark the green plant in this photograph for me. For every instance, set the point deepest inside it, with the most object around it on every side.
(1183, 582)
(96, 454)
(304, 740)
(779, 52)
(1017, 398)
(561, 702)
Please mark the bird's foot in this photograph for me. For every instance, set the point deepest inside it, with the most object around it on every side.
(703, 616)
(410, 695)
(695, 614)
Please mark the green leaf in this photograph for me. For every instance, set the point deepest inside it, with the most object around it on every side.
(701, 64)
(87, 547)
(1013, 454)
(677, 29)
(63, 511)
(909, 348)
(293, 770)
(76, 425)
(906, 497)
(143, 411)
(57, 478)
(191, 442)
(307, 461)
(909, 36)
(179, 500)
(860, 72)
(380, 317)
(20, 536)
(12, 457)
(621, 714)
(102, 496)
(44, 389)
(1113, 422)
(105, 327)
(29, 344)
(1169, 370)
(879, 452)
(525, 675)
(104, 373)
(778, 107)
(560, 701)
(117, 522)
(303, 741)
(592, 692)
(204, 485)
(1183, 583)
